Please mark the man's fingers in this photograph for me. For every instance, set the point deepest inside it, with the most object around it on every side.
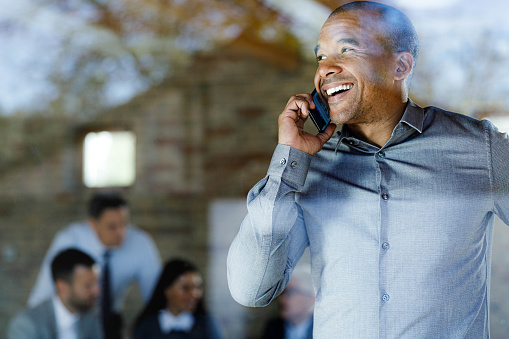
(300, 121)
(327, 134)
(291, 126)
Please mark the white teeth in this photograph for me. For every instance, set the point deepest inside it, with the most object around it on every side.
(331, 91)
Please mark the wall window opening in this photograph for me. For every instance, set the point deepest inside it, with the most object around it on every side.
(109, 159)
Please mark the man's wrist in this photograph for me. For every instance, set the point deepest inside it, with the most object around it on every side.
(290, 164)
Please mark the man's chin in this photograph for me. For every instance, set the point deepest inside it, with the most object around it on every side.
(116, 244)
(84, 308)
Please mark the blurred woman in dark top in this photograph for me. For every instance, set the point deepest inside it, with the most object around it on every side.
(175, 310)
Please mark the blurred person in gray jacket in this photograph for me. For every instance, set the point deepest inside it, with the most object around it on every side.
(70, 314)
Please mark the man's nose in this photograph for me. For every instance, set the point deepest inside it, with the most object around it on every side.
(327, 68)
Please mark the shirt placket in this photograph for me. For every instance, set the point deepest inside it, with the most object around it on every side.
(379, 156)
(384, 241)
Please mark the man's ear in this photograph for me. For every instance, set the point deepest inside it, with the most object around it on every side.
(62, 287)
(404, 64)
(92, 222)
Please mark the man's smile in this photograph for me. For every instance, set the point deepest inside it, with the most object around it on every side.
(338, 89)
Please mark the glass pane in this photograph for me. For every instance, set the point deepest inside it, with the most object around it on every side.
(109, 159)
(501, 122)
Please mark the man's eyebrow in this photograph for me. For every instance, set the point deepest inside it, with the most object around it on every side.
(343, 41)
(349, 41)
(317, 47)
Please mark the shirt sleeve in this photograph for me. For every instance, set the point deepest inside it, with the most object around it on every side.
(499, 143)
(44, 287)
(150, 266)
(272, 236)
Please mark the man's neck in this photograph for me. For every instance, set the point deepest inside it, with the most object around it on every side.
(378, 133)
(65, 306)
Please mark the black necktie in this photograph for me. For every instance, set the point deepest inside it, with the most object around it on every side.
(106, 292)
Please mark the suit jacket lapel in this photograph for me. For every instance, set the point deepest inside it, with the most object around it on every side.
(49, 319)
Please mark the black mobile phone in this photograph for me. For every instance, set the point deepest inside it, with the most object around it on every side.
(319, 115)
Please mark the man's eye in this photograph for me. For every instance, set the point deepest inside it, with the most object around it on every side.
(346, 49)
(320, 57)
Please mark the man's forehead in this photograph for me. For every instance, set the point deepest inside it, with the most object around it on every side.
(351, 28)
(111, 211)
(361, 18)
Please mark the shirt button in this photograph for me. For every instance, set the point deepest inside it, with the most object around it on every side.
(293, 164)
(381, 154)
(386, 246)
(282, 161)
(385, 196)
(385, 297)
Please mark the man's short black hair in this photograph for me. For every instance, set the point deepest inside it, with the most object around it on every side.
(400, 34)
(104, 200)
(65, 262)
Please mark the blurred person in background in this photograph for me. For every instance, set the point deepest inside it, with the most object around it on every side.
(126, 255)
(295, 306)
(176, 309)
(70, 314)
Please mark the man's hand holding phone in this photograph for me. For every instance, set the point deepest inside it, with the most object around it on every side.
(291, 125)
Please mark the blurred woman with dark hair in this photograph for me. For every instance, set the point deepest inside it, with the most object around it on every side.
(175, 310)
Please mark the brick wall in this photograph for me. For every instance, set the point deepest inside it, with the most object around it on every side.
(204, 135)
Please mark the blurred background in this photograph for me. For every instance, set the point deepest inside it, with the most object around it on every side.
(175, 104)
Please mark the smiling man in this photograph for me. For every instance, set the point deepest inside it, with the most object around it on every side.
(397, 208)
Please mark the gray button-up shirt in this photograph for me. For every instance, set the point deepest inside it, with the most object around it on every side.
(400, 236)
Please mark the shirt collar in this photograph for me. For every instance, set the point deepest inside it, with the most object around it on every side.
(64, 318)
(168, 322)
(413, 116)
(412, 120)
